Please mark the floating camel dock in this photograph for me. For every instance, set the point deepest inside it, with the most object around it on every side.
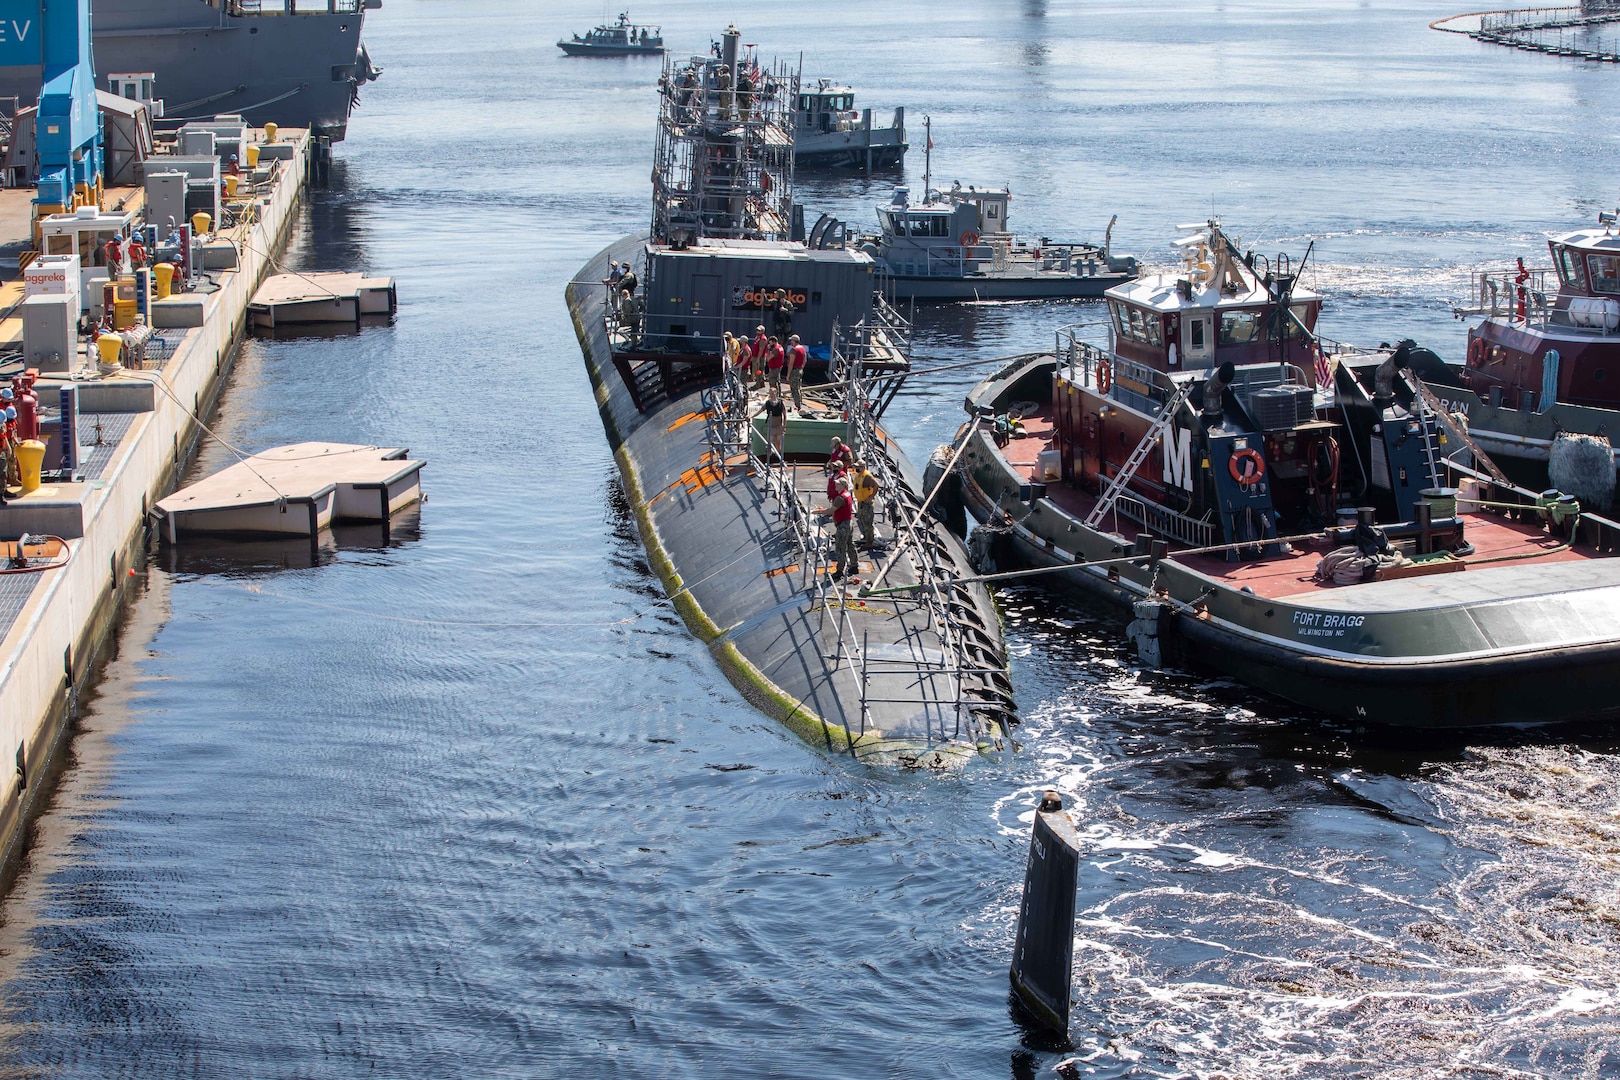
(295, 490)
(288, 299)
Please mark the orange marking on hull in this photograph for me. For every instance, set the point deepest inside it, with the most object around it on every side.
(687, 419)
(780, 570)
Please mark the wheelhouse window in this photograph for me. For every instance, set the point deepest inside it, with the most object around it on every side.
(1605, 273)
(1134, 324)
(1295, 327)
(1570, 270)
(1241, 327)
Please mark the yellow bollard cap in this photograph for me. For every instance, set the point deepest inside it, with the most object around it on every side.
(270, 132)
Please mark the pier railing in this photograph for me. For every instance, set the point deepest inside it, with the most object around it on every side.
(1533, 301)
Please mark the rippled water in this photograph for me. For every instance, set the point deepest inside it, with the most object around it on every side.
(473, 803)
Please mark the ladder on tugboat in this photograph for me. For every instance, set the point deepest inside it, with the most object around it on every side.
(1116, 486)
(1432, 404)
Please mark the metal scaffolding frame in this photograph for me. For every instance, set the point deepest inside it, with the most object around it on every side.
(723, 160)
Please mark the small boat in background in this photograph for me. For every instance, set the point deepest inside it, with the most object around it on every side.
(956, 244)
(622, 38)
(829, 132)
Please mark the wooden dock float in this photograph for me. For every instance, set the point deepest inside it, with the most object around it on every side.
(287, 299)
(295, 490)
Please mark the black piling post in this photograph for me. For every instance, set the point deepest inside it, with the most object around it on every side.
(1043, 949)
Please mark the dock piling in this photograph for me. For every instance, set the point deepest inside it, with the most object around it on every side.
(1043, 948)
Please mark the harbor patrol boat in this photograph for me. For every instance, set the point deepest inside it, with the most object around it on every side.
(829, 132)
(1535, 387)
(956, 245)
(1283, 511)
(621, 38)
(735, 529)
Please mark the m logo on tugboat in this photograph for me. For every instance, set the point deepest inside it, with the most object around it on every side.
(1178, 458)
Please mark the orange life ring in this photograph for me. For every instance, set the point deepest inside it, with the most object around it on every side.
(1476, 352)
(1105, 377)
(969, 239)
(1253, 476)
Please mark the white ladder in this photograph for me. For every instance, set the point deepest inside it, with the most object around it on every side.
(1116, 486)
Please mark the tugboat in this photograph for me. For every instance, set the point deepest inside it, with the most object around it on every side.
(1535, 387)
(829, 132)
(733, 519)
(956, 245)
(1282, 510)
(622, 38)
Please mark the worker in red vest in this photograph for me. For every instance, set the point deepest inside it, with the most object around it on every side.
(843, 514)
(775, 361)
(115, 258)
(756, 355)
(797, 355)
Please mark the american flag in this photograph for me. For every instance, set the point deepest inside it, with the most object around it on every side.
(1324, 368)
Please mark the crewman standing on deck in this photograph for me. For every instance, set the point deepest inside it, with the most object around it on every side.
(775, 414)
(797, 355)
(756, 355)
(839, 457)
(775, 360)
(782, 314)
(866, 490)
(845, 558)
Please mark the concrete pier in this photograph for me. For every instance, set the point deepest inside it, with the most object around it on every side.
(135, 427)
(1043, 949)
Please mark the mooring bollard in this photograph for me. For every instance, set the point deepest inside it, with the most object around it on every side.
(1043, 949)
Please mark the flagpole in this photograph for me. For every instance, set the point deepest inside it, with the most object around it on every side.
(928, 156)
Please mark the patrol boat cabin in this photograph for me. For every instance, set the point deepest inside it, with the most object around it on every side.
(828, 131)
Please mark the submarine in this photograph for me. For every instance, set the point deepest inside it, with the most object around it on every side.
(737, 517)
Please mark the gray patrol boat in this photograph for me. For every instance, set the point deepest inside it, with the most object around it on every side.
(957, 244)
(736, 528)
(296, 63)
(829, 132)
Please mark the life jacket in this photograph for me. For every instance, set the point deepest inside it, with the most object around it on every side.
(843, 508)
(799, 354)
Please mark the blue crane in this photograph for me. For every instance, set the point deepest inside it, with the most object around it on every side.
(55, 35)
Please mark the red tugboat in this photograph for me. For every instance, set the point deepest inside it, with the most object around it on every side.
(1283, 510)
(1541, 384)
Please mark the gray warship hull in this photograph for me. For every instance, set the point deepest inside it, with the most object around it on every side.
(297, 70)
(875, 680)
